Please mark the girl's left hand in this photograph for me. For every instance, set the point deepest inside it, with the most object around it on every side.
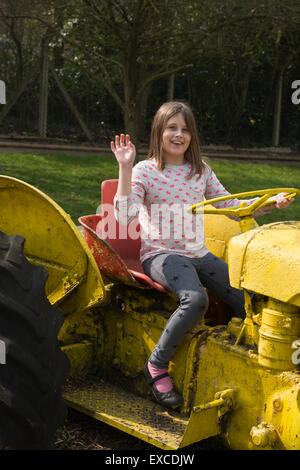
(281, 202)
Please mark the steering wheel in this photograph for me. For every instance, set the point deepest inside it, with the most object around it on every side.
(243, 210)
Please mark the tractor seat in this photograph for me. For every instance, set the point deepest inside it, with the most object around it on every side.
(116, 253)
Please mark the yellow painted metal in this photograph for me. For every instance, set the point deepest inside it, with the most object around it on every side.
(237, 380)
(261, 409)
(266, 260)
(201, 426)
(262, 395)
(205, 418)
(52, 241)
(244, 210)
(146, 419)
(208, 364)
(219, 229)
(263, 435)
(280, 327)
(210, 361)
(82, 359)
(282, 412)
(222, 400)
(128, 412)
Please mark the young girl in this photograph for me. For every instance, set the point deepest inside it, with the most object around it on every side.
(173, 253)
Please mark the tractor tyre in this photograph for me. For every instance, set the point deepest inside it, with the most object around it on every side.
(32, 366)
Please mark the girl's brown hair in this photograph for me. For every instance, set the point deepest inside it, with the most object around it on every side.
(162, 116)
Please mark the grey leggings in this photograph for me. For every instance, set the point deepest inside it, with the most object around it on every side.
(186, 278)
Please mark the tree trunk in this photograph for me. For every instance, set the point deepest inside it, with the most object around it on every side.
(240, 102)
(135, 109)
(171, 87)
(143, 103)
(131, 122)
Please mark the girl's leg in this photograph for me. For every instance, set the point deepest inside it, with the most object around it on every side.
(178, 275)
(183, 276)
(213, 273)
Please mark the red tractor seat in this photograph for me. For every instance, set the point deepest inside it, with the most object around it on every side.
(115, 252)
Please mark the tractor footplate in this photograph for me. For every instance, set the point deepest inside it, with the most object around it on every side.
(128, 412)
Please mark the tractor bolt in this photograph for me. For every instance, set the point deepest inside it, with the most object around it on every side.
(263, 435)
(277, 404)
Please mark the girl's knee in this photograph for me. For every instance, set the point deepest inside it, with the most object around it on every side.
(196, 301)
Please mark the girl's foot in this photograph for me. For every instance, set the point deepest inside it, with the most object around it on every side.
(162, 386)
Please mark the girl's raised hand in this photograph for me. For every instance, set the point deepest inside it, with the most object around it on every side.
(123, 149)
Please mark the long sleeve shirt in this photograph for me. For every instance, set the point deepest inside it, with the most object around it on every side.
(160, 200)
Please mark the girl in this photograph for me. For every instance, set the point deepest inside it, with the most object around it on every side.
(173, 253)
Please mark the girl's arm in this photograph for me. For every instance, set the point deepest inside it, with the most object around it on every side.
(215, 189)
(125, 153)
(127, 202)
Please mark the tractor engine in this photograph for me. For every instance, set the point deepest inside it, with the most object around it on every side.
(265, 262)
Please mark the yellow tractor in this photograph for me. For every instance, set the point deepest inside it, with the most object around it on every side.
(239, 378)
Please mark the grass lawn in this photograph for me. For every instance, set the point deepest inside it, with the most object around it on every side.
(74, 181)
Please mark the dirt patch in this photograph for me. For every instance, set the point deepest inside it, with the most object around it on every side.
(81, 432)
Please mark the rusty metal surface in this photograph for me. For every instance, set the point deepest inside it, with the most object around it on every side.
(106, 257)
(110, 263)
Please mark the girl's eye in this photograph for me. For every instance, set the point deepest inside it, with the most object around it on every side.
(172, 127)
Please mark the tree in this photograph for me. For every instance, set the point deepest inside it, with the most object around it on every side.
(224, 57)
(127, 46)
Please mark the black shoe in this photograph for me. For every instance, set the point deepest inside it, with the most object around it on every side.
(171, 399)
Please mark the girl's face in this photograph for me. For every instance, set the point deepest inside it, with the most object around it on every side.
(176, 139)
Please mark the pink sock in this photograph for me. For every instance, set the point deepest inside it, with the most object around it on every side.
(163, 385)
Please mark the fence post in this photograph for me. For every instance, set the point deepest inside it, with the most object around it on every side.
(43, 103)
(277, 112)
(71, 105)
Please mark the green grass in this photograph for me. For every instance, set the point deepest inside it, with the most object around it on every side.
(74, 181)
(237, 177)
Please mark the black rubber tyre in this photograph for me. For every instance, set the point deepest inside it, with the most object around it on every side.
(33, 368)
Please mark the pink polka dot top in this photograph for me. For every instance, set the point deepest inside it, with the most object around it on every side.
(160, 200)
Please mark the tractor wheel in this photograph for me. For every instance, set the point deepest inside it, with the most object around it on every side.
(32, 366)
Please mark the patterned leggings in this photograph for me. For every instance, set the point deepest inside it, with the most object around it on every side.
(186, 278)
